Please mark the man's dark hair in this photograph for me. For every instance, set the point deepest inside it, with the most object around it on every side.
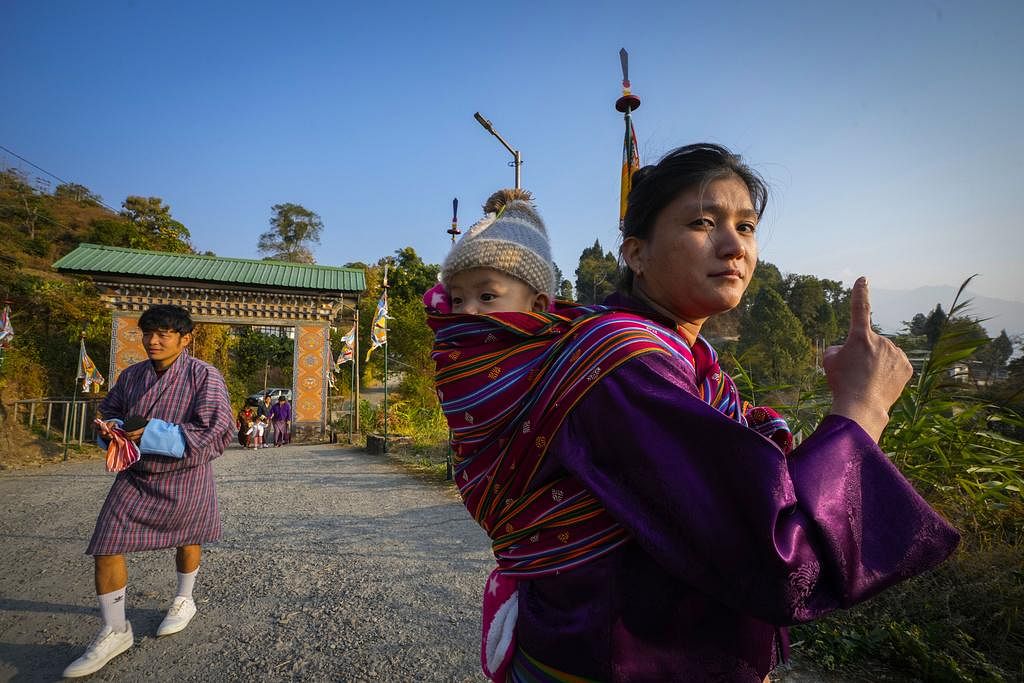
(166, 317)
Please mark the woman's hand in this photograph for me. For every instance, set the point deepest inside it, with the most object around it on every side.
(868, 372)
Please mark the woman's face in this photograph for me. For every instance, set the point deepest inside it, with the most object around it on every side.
(701, 253)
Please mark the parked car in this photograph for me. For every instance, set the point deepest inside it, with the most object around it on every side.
(274, 392)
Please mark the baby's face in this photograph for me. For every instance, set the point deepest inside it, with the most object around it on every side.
(483, 290)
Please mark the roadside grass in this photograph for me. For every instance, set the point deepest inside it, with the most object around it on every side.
(417, 434)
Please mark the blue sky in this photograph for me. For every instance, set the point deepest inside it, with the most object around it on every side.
(890, 131)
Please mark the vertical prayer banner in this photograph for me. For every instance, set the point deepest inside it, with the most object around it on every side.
(379, 328)
(6, 328)
(630, 163)
(348, 345)
(87, 370)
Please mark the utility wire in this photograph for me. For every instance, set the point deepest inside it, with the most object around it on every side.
(38, 168)
(57, 177)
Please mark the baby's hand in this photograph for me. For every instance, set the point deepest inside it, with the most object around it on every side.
(437, 298)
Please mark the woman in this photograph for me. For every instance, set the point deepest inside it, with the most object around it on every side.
(690, 538)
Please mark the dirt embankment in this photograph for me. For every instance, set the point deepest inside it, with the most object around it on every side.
(20, 448)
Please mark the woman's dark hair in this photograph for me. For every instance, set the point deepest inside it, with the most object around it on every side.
(166, 317)
(654, 187)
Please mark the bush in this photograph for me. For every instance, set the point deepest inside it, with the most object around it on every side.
(22, 375)
(960, 622)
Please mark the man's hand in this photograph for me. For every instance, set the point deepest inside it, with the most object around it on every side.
(105, 427)
(135, 435)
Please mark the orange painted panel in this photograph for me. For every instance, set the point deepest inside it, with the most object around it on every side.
(126, 345)
(311, 359)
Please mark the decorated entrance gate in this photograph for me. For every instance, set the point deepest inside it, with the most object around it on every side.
(309, 298)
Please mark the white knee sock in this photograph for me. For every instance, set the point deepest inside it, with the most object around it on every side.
(186, 583)
(112, 609)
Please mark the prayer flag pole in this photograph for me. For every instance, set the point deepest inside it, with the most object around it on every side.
(355, 365)
(453, 231)
(354, 418)
(385, 323)
(630, 157)
(79, 373)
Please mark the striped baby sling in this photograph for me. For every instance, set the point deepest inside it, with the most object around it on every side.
(506, 383)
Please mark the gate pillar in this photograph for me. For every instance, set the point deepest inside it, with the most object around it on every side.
(312, 363)
(125, 344)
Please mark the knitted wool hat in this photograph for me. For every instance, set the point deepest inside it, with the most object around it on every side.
(512, 240)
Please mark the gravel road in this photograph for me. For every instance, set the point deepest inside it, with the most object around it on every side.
(334, 565)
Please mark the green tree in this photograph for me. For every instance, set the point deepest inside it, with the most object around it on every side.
(160, 231)
(933, 325)
(765, 275)
(76, 192)
(811, 300)
(28, 208)
(564, 286)
(824, 328)
(724, 328)
(293, 231)
(916, 326)
(116, 232)
(256, 355)
(993, 356)
(565, 290)
(409, 277)
(596, 274)
(803, 294)
(772, 345)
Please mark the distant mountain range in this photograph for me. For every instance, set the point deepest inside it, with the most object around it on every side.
(890, 307)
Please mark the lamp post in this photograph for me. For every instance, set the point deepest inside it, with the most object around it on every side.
(454, 232)
(517, 159)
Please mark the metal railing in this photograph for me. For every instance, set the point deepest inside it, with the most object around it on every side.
(62, 419)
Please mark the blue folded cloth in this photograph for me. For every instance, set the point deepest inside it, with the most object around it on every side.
(162, 438)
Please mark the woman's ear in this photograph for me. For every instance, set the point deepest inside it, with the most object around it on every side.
(631, 251)
(541, 303)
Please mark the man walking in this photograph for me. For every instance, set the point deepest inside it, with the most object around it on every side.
(176, 409)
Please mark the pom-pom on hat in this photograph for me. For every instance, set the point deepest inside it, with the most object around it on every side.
(510, 238)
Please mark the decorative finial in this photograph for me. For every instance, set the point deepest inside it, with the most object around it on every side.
(628, 101)
(454, 230)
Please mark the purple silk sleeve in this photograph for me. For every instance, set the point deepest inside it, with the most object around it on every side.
(721, 508)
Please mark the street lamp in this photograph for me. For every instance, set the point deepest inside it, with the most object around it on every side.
(517, 159)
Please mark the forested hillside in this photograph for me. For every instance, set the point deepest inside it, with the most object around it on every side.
(50, 311)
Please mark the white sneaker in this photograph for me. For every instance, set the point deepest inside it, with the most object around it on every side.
(181, 612)
(107, 645)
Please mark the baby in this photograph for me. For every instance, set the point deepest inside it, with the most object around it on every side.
(503, 263)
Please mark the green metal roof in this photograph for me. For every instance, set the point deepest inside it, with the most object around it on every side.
(96, 259)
